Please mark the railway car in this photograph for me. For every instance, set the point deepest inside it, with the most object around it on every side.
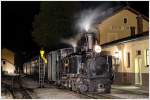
(30, 67)
(53, 67)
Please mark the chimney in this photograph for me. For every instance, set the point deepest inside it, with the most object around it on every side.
(90, 41)
(139, 24)
(74, 49)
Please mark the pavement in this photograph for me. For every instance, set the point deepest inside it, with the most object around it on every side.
(132, 88)
(54, 93)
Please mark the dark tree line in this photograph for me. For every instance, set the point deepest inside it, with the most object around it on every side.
(54, 21)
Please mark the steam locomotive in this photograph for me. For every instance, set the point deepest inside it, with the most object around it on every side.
(84, 68)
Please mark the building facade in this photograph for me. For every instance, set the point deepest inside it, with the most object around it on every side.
(125, 35)
(7, 61)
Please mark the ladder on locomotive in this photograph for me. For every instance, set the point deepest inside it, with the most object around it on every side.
(41, 72)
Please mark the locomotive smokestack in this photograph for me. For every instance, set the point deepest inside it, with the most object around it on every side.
(74, 49)
(90, 41)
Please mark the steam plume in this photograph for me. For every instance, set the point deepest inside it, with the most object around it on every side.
(72, 41)
(87, 19)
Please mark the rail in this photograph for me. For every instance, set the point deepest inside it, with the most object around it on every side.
(22, 90)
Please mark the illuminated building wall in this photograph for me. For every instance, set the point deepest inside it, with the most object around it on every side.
(119, 25)
(129, 64)
(7, 61)
(130, 59)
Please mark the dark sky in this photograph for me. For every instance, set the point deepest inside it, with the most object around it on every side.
(17, 18)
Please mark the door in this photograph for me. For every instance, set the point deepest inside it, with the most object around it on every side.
(138, 75)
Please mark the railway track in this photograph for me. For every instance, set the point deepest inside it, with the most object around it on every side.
(21, 92)
(95, 95)
(98, 96)
(101, 96)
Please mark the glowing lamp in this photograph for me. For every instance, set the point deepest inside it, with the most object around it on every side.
(116, 54)
(42, 52)
(42, 56)
(97, 48)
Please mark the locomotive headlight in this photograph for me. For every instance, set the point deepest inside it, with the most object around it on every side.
(97, 48)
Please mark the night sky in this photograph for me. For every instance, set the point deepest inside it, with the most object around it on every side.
(17, 19)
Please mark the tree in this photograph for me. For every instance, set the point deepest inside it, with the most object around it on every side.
(54, 21)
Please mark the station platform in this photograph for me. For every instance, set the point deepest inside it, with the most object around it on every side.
(132, 88)
(30, 83)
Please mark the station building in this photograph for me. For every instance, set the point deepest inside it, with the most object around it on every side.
(7, 61)
(125, 35)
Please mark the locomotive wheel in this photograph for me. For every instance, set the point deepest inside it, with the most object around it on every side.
(83, 88)
(107, 88)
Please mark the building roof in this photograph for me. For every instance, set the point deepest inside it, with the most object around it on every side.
(117, 10)
(8, 50)
(128, 39)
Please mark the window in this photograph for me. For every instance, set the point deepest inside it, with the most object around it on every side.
(128, 55)
(138, 52)
(132, 29)
(112, 27)
(125, 20)
(4, 62)
(147, 57)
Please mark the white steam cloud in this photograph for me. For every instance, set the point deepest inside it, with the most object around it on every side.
(87, 20)
(72, 41)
